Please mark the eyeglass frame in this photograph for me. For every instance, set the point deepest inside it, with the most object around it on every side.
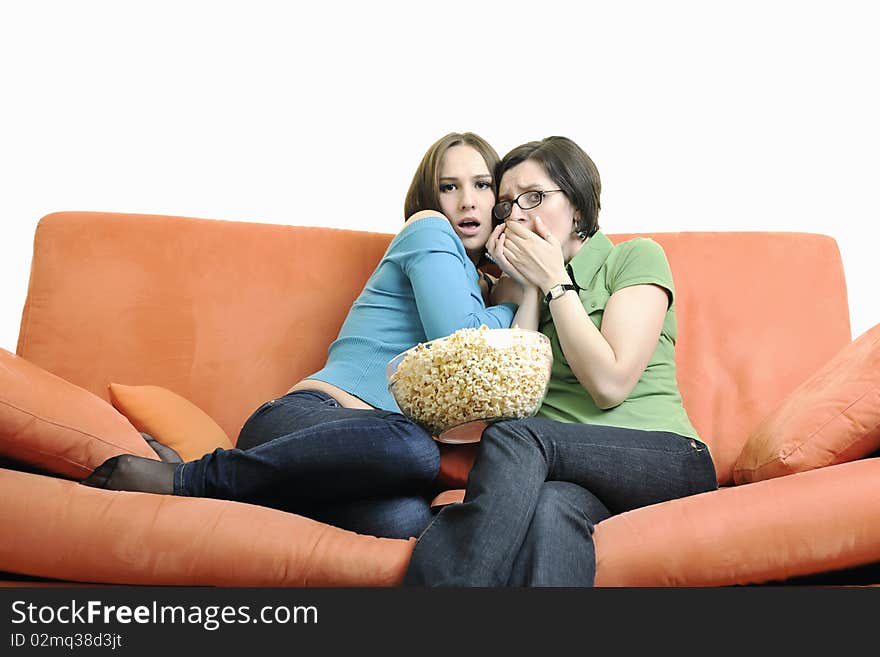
(516, 200)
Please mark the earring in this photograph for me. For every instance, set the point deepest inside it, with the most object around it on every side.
(580, 232)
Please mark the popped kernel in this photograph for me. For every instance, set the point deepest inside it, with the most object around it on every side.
(473, 374)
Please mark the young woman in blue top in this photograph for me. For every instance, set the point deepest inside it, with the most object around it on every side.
(612, 434)
(335, 447)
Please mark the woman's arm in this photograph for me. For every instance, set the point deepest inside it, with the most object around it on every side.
(608, 362)
(441, 276)
(528, 297)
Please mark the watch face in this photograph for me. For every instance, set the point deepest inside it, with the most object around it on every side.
(557, 291)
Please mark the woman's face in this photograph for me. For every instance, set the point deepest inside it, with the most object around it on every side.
(466, 197)
(555, 210)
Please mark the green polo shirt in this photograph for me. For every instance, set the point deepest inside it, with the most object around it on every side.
(600, 269)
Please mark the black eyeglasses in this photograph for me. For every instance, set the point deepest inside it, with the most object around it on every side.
(526, 200)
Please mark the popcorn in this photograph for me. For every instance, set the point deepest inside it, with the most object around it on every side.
(473, 374)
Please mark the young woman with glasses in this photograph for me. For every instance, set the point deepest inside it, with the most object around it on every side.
(335, 447)
(612, 433)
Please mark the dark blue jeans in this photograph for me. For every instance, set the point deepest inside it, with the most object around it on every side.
(516, 527)
(364, 470)
(557, 549)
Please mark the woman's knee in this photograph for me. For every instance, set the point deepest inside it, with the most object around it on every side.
(511, 437)
(426, 456)
(504, 432)
(393, 517)
(416, 449)
(563, 500)
(408, 517)
(556, 496)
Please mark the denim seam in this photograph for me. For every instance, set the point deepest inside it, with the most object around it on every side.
(178, 481)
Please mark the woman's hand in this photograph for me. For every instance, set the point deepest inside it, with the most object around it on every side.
(528, 297)
(536, 256)
(506, 290)
(487, 282)
(495, 249)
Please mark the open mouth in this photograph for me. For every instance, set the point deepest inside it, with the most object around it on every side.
(468, 226)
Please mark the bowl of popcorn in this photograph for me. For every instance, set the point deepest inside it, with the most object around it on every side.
(455, 386)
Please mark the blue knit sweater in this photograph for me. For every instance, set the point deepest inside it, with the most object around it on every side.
(425, 287)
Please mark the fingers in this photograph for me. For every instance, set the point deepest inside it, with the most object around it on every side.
(499, 253)
(520, 232)
(507, 260)
(492, 242)
(511, 248)
(518, 228)
(542, 230)
(517, 235)
(518, 246)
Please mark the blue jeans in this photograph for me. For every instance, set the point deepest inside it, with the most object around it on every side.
(557, 550)
(364, 470)
(516, 528)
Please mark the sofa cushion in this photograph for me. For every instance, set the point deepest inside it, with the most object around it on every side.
(169, 418)
(810, 522)
(67, 531)
(456, 462)
(55, 426)
(832, 417)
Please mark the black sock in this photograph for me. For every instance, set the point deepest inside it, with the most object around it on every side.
(133, 473)
(164, 452)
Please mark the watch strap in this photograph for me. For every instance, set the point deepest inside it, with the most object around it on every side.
(565, 287)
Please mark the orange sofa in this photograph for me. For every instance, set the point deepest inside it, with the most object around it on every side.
(230, 314)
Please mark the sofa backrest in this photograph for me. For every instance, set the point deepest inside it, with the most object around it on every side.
(230, 314)
(758, 313)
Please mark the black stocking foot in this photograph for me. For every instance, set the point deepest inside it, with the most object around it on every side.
(133, 473)
(167, 454)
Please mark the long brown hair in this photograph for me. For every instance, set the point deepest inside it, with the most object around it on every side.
(424, 190)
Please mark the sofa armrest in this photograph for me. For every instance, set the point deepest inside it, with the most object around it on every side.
(811, 522)
(62, 530)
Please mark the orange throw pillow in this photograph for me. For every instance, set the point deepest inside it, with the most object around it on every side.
(169, 418)
(56, 426)
(833, 417)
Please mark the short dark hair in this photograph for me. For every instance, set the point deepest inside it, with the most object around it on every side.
(424, 190)
(570, 168)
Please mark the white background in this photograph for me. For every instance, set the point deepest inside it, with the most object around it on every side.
(700, 115)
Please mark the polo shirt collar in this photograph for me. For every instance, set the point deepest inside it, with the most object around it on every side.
(587, 262)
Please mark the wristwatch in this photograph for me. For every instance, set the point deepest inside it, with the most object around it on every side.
(558, 290)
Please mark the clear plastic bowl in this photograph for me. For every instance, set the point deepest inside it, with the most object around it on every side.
(455, 386)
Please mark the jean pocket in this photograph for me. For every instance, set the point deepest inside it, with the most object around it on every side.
(708, 479)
